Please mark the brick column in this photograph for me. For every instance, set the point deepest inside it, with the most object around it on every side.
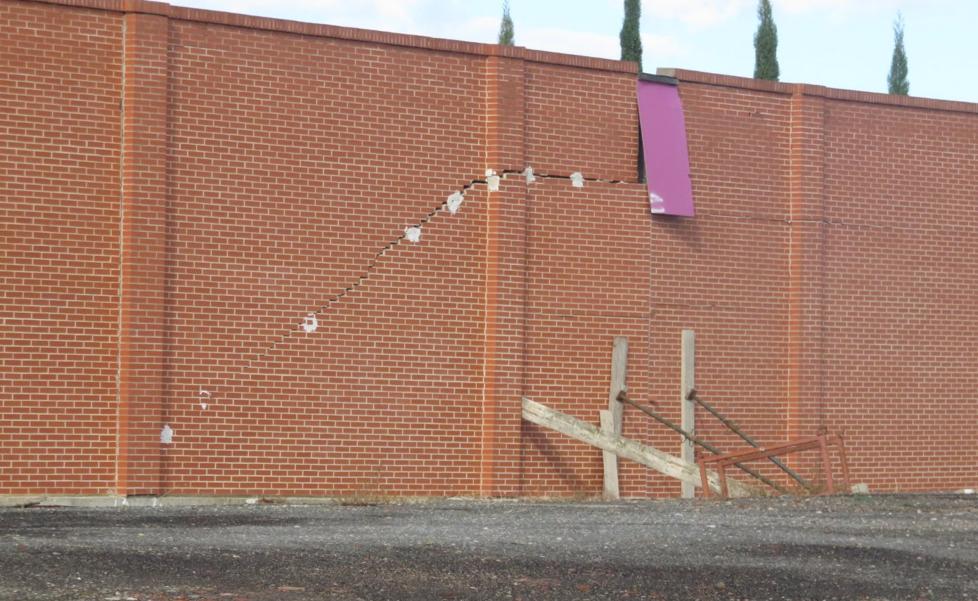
(141, 336)
(505, 113)
(505, 281)
(806, 291)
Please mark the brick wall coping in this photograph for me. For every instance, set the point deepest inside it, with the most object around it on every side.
(347, 33)
(747, 83)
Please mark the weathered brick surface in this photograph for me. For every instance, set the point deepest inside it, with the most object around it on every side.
(589, 256)
(900, 316)
(143, 342)
(281, 201)
(181, 188)
(723, 273)
(579, 120)
(60, 78)
(850, 251)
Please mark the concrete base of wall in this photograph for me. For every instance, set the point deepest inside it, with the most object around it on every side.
(198, 501)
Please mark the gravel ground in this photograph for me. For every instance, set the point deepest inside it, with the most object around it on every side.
(863, 547)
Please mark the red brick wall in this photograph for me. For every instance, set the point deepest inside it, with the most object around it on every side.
(588, 275)
(268, 170)
(901, 321)
(847, 247)
(60, 84)
(182, 188)
(723, 273)
(143, 332)
(581, 120)
(282, 199)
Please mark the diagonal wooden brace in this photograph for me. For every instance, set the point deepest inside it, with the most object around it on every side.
(625, 448)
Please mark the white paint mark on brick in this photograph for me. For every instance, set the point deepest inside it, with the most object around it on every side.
(310, 323)
(657, 204)
(204, 396)
(413, 233)
(528, 174)
(492, 180)
(166, 434)
(577, 179)
(454, 202)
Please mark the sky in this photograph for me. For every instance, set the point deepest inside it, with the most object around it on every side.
(836, 43)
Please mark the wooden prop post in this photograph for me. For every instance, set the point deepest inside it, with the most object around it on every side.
(611, 418)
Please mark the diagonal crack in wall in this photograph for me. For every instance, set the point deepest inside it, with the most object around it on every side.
(451, 204)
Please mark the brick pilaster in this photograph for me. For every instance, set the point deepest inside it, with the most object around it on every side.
(505, 113)
(806, 291)
(505, 281)
(143, 226)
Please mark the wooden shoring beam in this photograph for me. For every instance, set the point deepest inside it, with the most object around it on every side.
(646, 455)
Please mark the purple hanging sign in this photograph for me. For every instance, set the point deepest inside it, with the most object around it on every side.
(660, 113)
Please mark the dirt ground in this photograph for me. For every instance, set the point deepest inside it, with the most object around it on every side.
(860, 547)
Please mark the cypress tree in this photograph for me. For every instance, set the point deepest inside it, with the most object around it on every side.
(897, 79)
(766, 44)
(506, 35)
(631, 39)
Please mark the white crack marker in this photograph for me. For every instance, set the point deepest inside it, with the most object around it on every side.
(310, 324)
(166, 434)
(413, 233)
(528, 174)
(577, 179)
(204, 397)
(657, 204)
(492, 180)
(454, 202)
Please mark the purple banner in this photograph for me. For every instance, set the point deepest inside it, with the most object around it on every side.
(660, 114)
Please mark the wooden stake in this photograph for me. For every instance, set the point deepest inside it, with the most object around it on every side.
(619, 371)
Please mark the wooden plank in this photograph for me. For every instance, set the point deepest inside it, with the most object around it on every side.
(649, 456)
(619, 373)
(610, 459)
(618, 382)
(688, 409)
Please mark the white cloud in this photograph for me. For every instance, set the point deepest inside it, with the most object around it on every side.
(697, 13)
(594, 44)
(842, 6)
(387, 15)
(707, 13)
(555, 39)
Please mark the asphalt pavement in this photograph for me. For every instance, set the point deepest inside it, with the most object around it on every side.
(913, 547)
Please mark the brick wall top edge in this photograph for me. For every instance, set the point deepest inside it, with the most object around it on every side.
(347, 33)
(760, 85)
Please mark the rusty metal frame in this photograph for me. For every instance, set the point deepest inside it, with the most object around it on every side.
(821, 442)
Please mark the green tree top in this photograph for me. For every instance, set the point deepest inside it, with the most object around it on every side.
(766, 44)
(897, 79)
(506, 35)
(631, 39)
